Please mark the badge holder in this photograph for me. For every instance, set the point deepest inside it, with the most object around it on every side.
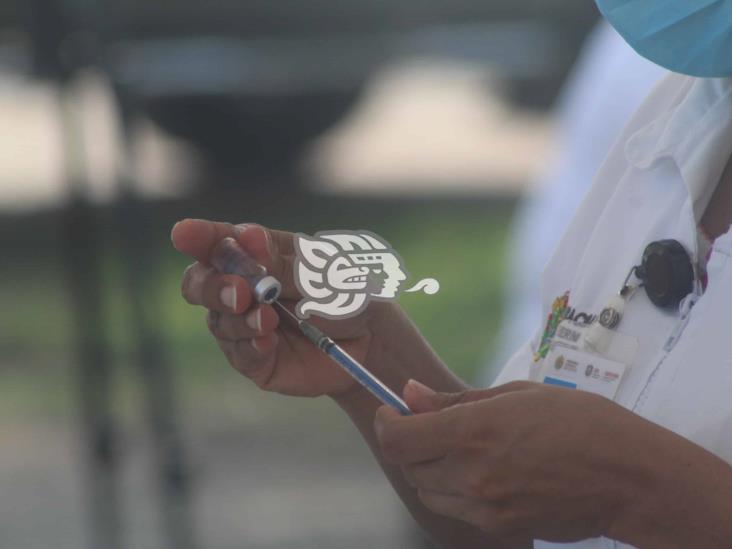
(595, 357)
(602, 338)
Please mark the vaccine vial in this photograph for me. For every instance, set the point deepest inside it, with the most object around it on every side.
(228, 257)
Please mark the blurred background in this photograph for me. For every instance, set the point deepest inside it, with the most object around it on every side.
(121, 425)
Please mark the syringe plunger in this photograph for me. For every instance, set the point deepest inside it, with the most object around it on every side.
(228, 257)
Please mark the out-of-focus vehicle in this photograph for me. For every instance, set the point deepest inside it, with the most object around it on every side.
(248, 81)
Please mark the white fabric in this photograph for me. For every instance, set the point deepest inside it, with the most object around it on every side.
(606, 87)
(654, 185)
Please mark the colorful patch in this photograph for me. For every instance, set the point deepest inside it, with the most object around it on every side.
(560, 307)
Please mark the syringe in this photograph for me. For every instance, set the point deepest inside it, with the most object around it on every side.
(348, 363)
(229, 257)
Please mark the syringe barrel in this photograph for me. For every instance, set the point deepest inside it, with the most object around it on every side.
(228, 257)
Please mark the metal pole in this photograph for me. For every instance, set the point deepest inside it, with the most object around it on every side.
(81, 257)
(139, 258)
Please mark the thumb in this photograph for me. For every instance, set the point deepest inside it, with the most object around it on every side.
(421, 398)
(273, 249)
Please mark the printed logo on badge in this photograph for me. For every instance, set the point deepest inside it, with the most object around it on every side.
(581, 370)
(339, 272)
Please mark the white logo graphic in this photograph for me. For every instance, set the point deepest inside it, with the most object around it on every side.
(339, 272)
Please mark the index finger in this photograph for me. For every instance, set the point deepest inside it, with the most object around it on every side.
(273, 249)
(417, 438)
(197, 237)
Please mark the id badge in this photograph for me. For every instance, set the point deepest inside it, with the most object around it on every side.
(572, 369)
(573, 364)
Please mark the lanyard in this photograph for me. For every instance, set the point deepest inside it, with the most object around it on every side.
(667, 275)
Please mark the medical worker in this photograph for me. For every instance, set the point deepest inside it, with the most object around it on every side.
(606, 86)
(612, 426)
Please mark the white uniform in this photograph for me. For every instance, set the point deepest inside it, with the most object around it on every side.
(607, 85)
(654, 185)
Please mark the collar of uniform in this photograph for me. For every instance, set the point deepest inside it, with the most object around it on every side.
(696, 133)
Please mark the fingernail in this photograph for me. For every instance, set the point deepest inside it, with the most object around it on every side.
(240, 228)
(228, 297)
(254, 319)
(172, 231)
(421, 387)
(267, 239)
(378, 428)
(255, 345)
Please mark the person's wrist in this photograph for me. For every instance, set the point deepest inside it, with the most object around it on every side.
(393, 345)
(385, 321)
(634, 490)
(631, 457)
(398, 353)
(684, 497)
(356, 400)
(660, 477)
(381, 321)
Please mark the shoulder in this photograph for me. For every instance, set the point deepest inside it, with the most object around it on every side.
(663, 100)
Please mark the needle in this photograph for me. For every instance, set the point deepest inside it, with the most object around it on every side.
(348, 363)
(287, 311)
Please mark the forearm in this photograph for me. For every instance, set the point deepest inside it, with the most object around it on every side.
(399, 353)
(686, 498)
(404, 354)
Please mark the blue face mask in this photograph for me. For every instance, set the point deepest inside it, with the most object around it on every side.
(688, 36)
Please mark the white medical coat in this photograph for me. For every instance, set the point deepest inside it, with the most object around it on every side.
(607, 85)
(656, 184)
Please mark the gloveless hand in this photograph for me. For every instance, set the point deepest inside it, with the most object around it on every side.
(256, 341)
(522, 461)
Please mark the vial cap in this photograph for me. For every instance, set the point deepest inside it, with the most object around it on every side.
(267, 290)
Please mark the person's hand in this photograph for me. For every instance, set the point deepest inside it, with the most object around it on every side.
(521, 461)
(258, 343)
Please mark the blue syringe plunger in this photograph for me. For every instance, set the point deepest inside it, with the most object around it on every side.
(348, 363)
(229, 257)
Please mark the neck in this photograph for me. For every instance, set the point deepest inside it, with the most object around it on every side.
(718, 215)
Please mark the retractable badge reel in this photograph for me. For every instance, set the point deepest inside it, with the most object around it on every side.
(596, 357)
(666, 273)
